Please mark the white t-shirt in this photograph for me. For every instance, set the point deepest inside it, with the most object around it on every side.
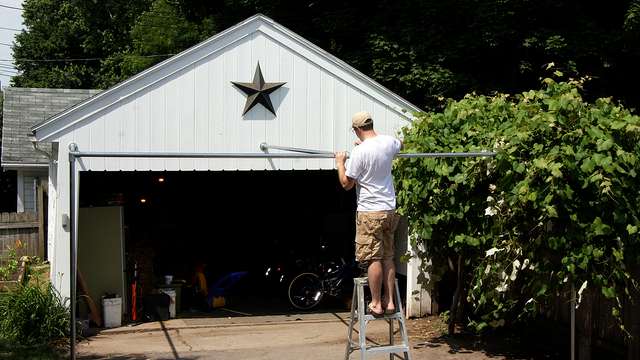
(370, 165)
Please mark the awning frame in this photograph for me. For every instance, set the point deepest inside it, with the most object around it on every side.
(75, 154)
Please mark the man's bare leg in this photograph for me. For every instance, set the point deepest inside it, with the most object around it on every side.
(375, 276)
(389, 281)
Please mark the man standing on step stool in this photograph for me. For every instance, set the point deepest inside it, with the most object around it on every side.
(369, 169)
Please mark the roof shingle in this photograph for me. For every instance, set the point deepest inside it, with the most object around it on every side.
(25, 107)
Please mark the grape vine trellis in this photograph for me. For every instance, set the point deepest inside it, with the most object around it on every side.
(557, 205)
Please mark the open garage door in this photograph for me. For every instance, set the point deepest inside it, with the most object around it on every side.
(266, 225)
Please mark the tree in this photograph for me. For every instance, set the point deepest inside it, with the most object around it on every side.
(423, 50)
(162, 29)
(92, 31)
(55, 30)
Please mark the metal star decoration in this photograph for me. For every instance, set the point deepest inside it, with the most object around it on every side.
(258, 91)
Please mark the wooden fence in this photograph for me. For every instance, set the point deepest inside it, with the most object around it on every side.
(596, 325)
(24, 228)
(597, 330)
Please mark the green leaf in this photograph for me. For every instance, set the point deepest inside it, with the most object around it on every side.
(618, 254)
(568, 192)
(605, 145)
(631, 229)
(595, 132)
(555, 170)
(617, 125)
(600, 228)
(540, 163)
(597, 253)
(479, 326)
(542, 291)
(609, 292)
(615, 312)
(587, 166)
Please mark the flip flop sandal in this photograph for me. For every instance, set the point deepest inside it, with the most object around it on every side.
(375, 314)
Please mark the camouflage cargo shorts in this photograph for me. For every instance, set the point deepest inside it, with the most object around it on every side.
(375, 235)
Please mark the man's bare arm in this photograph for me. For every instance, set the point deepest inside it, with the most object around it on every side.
(346, 182)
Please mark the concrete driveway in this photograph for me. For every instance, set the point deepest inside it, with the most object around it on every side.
(281, 337)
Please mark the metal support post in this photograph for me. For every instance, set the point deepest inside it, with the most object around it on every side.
(73, 244)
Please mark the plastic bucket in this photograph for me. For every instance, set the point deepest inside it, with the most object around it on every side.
(112, 310)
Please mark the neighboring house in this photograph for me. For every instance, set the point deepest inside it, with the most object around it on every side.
(23, 108)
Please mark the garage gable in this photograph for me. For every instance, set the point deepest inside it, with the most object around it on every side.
(255, 82)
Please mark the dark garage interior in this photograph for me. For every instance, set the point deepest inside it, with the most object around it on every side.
(266, 225)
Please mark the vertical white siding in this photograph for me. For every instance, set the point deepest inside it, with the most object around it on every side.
(197, 109)
(129, 131)
(313, 119)
(172, 125)
(201, 113)
(216, 97)
(143, 131)
(247, 126)
(97, 136)
(230, 103)
(52, 217)
(158, 125)
(186, 115)
(300, 95)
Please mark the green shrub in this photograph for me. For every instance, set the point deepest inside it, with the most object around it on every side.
(557, 205)
(11, 352)
(9, 262)
(33, 315)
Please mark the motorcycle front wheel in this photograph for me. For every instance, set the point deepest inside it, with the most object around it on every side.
(305, 291)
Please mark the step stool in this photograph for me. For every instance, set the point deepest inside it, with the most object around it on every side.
(359, 314)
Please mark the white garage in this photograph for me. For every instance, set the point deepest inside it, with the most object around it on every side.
(254, 83)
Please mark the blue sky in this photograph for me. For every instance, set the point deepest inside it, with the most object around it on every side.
(9, 18)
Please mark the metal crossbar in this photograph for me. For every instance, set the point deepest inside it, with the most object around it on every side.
(265, 147)
(169, 155)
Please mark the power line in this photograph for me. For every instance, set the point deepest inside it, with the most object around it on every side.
(5, 44)
(10, 7)
(83, 59)
(10, 29)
